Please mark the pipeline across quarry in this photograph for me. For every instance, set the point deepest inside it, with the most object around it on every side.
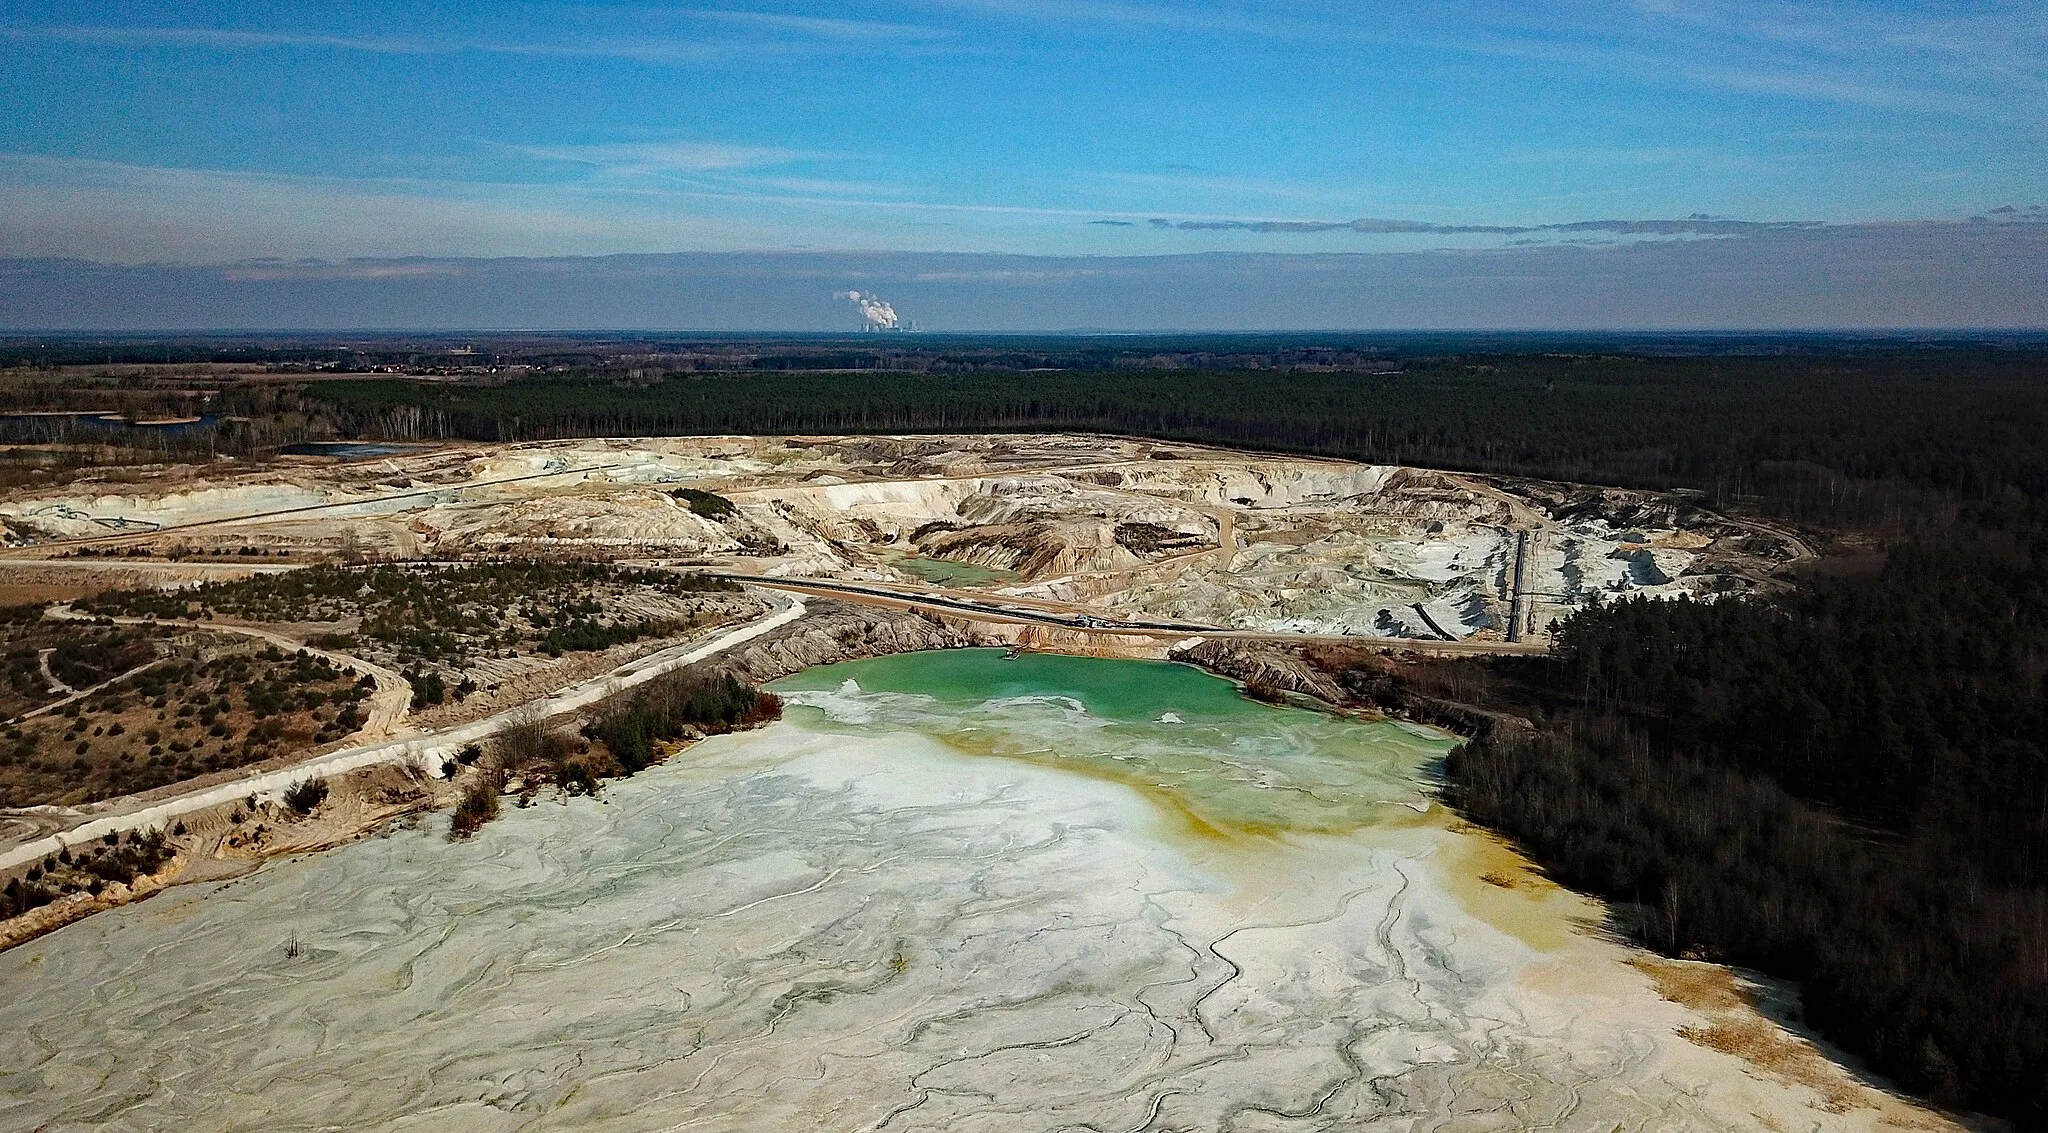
(994, 611)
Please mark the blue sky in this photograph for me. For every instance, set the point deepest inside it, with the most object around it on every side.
(201, 133)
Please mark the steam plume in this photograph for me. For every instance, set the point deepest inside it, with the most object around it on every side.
(876, 310)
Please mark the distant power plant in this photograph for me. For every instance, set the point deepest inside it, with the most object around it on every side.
(877, 312)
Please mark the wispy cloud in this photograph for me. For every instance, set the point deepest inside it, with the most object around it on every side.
(1191, 18)
(1690, 157)
(1935, 61)
(1910, 276)
(826, 27)
(684, 36)
(1218, 183)
(1661, 62)
(123, 212)
(1810, 86)
(1015, 275)
(375, 270)
(667, 157)
(724, 171)
(646, 50)
(1693, 226)
(1923, 50)
(1745, 48)
(117, 212)
(236, 39)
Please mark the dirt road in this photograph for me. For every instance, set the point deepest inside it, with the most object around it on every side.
(387, 707)
(426, 750)
(304, 509)
(71, 694)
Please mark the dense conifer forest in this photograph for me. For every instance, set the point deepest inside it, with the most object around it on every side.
(1884, 439)
(1846, 785)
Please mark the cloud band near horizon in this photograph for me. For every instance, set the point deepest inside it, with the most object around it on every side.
(1990, 274)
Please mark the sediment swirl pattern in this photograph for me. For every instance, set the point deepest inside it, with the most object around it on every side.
(846, 922)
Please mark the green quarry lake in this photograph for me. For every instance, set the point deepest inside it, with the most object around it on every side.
(947, 572)
(1184, 738)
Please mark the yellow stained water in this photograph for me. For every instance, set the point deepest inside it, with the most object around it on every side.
(1219, 765)
(1227, 777)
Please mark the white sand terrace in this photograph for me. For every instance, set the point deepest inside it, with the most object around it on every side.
(1118, 527)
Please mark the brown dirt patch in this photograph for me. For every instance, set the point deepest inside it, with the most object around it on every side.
(22, 593)
(211, 704)
(1734, 1026)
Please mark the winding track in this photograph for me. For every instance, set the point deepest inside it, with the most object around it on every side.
(50, 676)
(72, 694)
(425, 750)
(387, 708)
(302, 509)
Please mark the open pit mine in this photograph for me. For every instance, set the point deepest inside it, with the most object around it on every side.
(1090, 532)
(949, 889)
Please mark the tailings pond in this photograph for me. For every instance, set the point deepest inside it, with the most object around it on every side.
(948, 892)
